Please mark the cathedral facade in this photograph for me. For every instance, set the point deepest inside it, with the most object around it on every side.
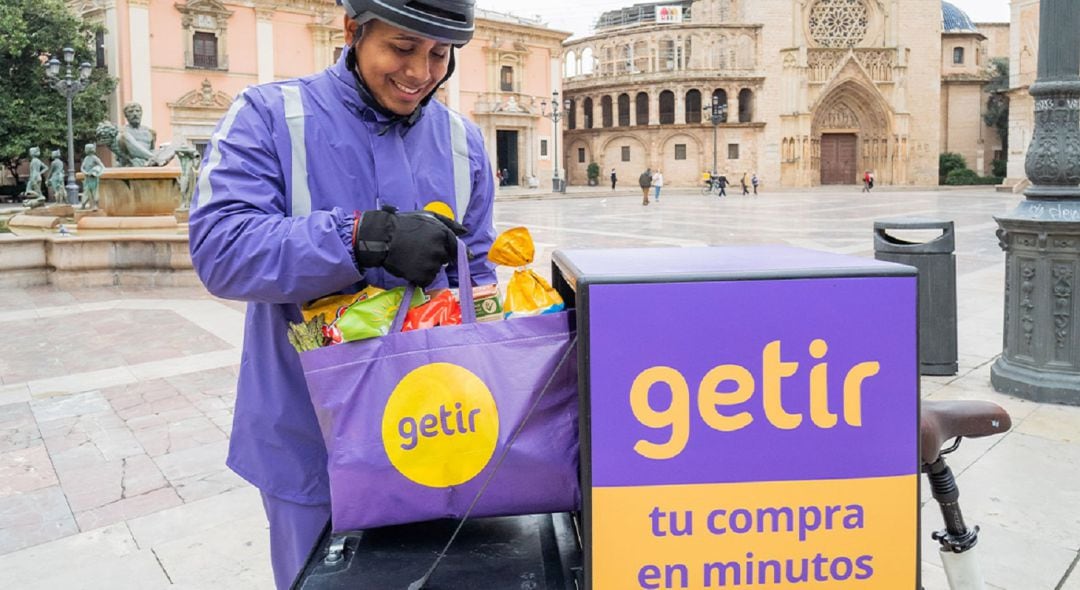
(810, 92)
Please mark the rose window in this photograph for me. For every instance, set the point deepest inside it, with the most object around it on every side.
(839, 23)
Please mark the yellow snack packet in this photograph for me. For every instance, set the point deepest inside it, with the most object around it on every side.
(513, 247)
(527, 293)
(328, 306)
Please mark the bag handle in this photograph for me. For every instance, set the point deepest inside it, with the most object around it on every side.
(465, 292)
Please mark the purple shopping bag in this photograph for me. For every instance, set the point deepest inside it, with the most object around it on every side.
(416, 423)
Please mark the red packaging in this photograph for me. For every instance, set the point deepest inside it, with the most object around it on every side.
(442, 310)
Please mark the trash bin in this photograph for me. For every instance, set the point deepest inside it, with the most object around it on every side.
(936, 262)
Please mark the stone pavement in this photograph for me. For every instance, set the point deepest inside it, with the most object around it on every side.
(115, 403)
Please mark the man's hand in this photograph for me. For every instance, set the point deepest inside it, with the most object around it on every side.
(413, 246)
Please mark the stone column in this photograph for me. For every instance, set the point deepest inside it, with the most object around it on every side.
(112, 55)
(680, 105)
(139, 35)
(264, 44)
(1041, 238)
(453, 92)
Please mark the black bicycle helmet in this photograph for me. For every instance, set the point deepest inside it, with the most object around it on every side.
(447, 21)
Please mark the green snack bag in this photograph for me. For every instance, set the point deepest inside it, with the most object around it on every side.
(373, 316)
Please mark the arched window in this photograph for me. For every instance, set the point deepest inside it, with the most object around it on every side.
(626, 59)
(642, 107)
(570, 65)
(746, 105)
(587, 113)
(624, 110)
(571, 116)
(721, 97)
(667, 55)
(641, 57)
(721, 54)
(588, 61)
(605, 111)
(693, 106)
(667, 108)
(958, 56)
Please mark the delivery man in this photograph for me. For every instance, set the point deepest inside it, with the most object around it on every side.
(325, 184)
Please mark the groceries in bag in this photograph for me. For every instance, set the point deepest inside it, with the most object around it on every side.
(527, 293)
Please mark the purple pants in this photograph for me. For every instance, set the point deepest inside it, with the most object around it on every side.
(294, 529)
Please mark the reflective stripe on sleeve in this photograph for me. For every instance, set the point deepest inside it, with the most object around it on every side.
(206, 190)
(294, 120)
(462, 183)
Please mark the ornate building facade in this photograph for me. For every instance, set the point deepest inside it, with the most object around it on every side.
(967, 50)
(816, 91)
(505, 75)
(185, 61)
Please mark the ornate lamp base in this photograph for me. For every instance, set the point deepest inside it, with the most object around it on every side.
(1035, 384)
(1041, 356)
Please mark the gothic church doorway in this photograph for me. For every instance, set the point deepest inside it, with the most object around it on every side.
(839, 158)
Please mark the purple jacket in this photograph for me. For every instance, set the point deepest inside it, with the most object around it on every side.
(271, 224)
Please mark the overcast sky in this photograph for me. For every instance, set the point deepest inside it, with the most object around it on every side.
(577, 16)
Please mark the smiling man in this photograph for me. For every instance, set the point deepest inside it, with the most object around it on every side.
(291, 205)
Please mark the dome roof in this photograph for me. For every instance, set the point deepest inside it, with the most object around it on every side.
(954, 20)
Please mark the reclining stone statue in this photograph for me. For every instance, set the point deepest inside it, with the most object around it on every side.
(133, 144)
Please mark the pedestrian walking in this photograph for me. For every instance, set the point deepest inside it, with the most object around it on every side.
(371, 133)
(745, 181)
(658, 183)
(754, 181)
(614, 179)
(868, 182)
(722, 184)
(645, 182)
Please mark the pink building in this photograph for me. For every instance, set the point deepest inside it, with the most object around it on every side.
(185, 60)
(504, 78)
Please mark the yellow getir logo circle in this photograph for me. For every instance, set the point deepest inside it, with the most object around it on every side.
(440, 208)
(440, 425)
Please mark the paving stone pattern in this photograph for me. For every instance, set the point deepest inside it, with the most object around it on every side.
(116, 403)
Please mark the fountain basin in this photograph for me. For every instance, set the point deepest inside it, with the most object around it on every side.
(95, 260)
(138, 192)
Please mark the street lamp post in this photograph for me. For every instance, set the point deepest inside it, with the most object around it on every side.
(69, 86)
(555, 115)
(717, 112)
(1040, 359)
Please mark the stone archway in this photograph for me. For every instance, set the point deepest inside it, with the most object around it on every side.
(628, 154)
(851, 130)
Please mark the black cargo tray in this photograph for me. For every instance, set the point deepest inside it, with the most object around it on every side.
(535, 552)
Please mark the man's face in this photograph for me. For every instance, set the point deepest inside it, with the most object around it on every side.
(134, 115)
(400, 68)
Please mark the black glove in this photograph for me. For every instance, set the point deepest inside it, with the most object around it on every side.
(413, 246)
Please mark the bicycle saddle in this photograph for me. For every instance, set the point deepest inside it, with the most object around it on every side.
(941, 420)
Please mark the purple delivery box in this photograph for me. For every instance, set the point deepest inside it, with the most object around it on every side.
(749, 418)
